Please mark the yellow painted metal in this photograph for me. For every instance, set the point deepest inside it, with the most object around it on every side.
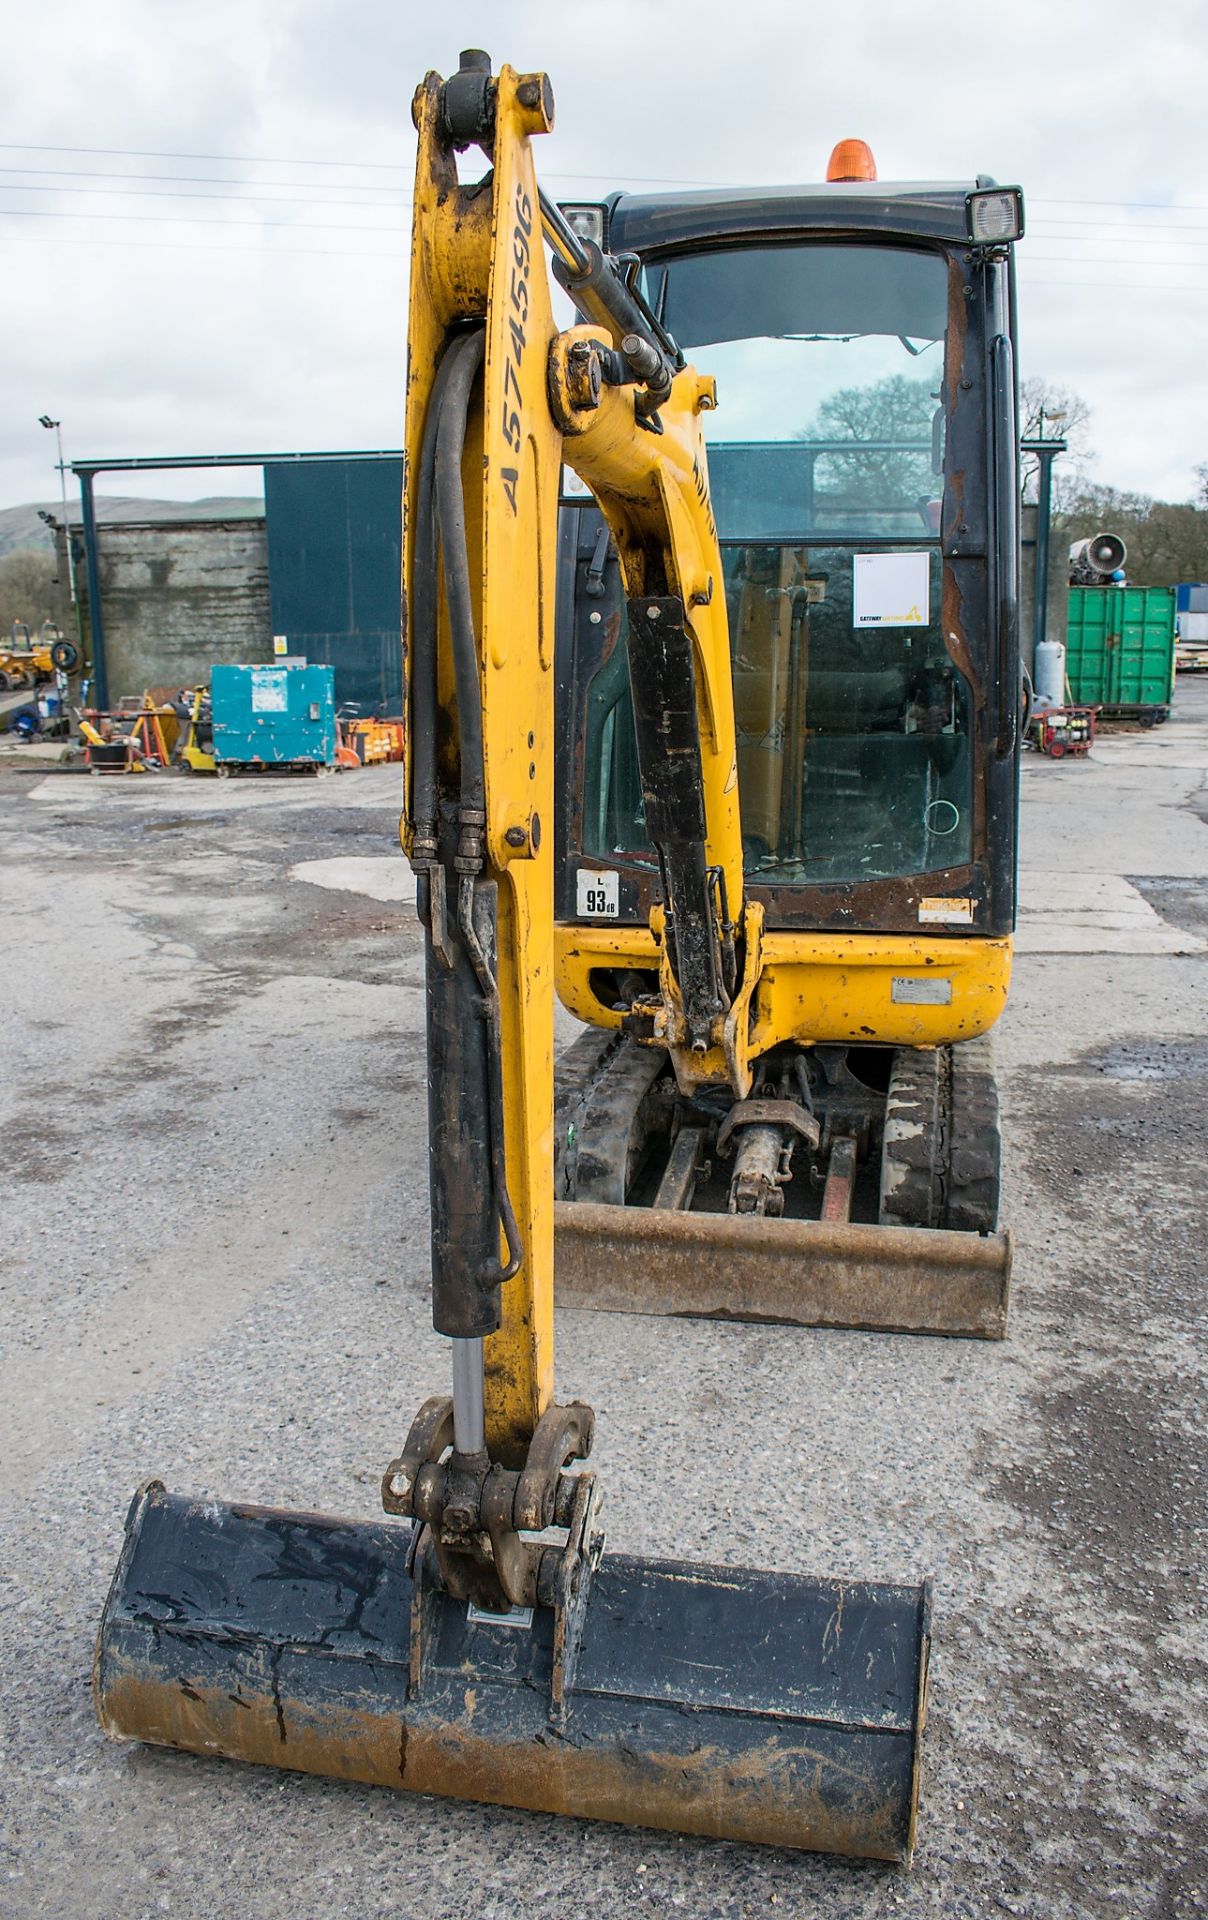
(729, 1060)
(27, 663)
(653, 490)
(190, 753)
(478, 253)
(521, 462)
(821, 987)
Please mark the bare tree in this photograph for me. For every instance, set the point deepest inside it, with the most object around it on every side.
(29, 589)
(1167, 540)
(1050, 412)
(890, 426)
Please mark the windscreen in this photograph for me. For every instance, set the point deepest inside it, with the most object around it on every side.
(829, 363)
(826, 462)
(853, 742)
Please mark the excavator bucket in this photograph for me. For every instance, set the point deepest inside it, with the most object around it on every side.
(808, 1273)
(743, 1705)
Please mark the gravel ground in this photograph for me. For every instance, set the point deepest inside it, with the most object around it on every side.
(213, 1267)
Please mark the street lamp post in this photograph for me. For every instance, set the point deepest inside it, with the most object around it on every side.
(44, 420)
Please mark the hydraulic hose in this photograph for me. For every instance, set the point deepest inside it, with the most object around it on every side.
(467, 357)
(489, 987)
(440, 481)
(423, 615)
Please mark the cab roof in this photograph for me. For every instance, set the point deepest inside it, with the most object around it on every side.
(933, 209)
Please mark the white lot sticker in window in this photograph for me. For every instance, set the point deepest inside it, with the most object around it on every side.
(597, 895)
(269, 692)
(946, 913)
(891, 589)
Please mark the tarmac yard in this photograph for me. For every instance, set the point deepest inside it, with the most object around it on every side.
(213, 1268)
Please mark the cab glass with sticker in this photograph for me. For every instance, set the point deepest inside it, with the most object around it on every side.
(826, 462)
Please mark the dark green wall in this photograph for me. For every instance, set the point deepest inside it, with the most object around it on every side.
(334, 562)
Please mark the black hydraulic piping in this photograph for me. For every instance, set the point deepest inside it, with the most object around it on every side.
(451, 514)
(605, 298)
(494, 1275)
(424, 596)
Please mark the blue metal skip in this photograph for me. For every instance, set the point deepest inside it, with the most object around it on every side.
(335, 571)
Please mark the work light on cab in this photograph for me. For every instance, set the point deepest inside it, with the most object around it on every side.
(995, 217)
(588, 219)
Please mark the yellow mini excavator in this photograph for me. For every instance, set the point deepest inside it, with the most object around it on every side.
(785, 852)
(749, 793)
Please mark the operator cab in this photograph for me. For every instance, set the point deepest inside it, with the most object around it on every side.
(863, 474)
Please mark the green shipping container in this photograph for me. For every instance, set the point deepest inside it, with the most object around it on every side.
(1119, 649)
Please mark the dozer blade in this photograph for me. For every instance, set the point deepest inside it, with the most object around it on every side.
(807, 1273)
(708, 1700)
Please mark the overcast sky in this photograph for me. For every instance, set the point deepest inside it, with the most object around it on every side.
(206, 207)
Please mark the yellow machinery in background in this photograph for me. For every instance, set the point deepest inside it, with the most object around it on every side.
(22, 664)
(142, 736)
(195, 742)
(479, 1642)
(371, 742)
(25, 661)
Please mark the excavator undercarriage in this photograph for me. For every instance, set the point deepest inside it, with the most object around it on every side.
(874, 1173)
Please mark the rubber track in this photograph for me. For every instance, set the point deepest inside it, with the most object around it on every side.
(600, 1085)
(575, 1076)
(975, 1156)
(951, 1167)
(949, 1171)
(918, 1086)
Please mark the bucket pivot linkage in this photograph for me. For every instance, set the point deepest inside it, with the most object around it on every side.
(484, 1533)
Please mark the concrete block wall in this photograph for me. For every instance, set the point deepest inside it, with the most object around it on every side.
(177, 596)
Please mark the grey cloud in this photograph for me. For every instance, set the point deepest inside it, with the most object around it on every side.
(202, 337)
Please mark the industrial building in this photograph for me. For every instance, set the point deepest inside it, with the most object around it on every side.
(179, 595)
(315, 575)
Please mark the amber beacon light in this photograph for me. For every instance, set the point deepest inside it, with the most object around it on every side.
(851, 160)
